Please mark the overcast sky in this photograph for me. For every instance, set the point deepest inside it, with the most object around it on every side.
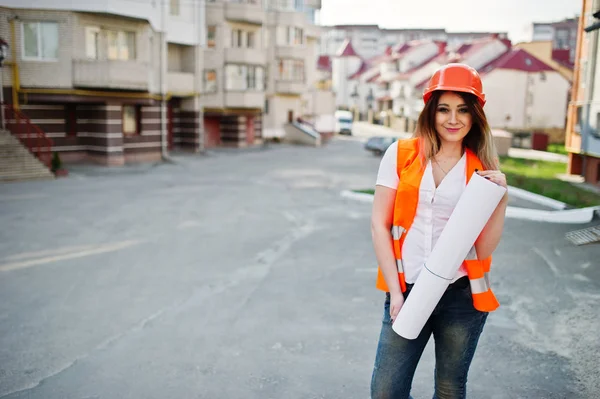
(512, 16)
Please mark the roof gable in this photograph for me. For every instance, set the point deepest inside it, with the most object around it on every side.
(347, 50)
(517, 59)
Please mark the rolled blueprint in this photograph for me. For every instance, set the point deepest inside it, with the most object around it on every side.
(474, 208)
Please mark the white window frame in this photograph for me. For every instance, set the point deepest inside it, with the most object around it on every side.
(205, 82)
(121, 41)
(175, 8)
(208, 29)
(92, 30)
(39, 42)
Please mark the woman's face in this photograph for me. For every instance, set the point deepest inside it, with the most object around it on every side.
(452, 118)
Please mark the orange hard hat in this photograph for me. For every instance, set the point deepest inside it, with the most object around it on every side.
(456, 77)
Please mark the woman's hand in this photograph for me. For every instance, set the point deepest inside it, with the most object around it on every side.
(495, 176)
(396, 302)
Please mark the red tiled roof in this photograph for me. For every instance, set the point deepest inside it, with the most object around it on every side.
(347, 50)
(374, 78)
(517, 59)
(324, 63)
(562, 56)
(362, 69)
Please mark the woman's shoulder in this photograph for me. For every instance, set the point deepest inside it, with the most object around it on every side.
(408, 144)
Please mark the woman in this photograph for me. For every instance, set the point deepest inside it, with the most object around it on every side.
(420, 180)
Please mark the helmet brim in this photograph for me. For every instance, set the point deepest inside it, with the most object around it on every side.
(480, 96)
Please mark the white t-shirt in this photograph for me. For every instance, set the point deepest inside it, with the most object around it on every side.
(433, 210)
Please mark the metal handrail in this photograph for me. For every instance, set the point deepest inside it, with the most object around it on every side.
(29, 134)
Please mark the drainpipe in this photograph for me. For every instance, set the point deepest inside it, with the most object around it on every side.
(163, 81)
(201, 30)
(16, 84)
(589, 95)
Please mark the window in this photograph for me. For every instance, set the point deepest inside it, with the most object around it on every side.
(297, 37)
(250, 39)
(236, 38)
(542, 76)
(40, 40)
(121, 45)
(131, 119)
(291, 70)
(92, 36)
(174, 7)
(244, 77)
(211, 37)
(210, 81)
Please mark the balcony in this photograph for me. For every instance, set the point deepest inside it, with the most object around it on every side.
(245, 11)
(295, 52)
(111, 74)
(180, 82)
(283, 87)
(245, 56)
(244, 99)
(311, 30)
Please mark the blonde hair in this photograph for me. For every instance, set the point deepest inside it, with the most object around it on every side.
(479, 139)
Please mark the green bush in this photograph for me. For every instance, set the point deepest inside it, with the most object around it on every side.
(56, 162)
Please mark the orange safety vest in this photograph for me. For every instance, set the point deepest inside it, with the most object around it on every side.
(410, 171)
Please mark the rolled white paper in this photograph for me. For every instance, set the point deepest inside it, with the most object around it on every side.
(474, 208)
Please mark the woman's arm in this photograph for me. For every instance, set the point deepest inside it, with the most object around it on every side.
(492, 232)
(381, 228)
(381, 232)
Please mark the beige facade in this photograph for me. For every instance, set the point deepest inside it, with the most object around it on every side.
(543, 51)
(93, 83)
(263, 60)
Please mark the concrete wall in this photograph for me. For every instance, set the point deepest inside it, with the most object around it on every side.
(507, 91)
(181, 28)
(277, 116)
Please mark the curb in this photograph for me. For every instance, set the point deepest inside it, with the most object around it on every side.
(572, 216)
(536, 198)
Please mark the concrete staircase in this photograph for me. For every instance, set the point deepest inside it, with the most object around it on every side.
(17, 163)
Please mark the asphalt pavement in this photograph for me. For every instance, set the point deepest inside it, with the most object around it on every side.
(246, 275)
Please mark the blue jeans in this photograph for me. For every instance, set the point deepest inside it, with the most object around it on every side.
(456, 326)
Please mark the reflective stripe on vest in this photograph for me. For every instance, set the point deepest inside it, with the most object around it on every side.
(480, 285)
(397, 232)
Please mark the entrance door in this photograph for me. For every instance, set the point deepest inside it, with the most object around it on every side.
(290, 116)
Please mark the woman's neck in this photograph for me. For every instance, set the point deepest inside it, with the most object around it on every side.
(451, 150)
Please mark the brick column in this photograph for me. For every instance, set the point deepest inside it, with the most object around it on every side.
(101, 133)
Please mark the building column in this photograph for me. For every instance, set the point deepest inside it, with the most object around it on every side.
(233, 130)
(101, 133)
(190, 124)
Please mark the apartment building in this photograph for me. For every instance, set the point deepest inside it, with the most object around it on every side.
(583, 123)
(370, 41)
(110, 82)
(562, 35)
(260, 68)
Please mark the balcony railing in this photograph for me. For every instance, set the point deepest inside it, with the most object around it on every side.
(115, 74)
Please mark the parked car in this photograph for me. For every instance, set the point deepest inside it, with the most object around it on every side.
(343, 122)
(378, 144)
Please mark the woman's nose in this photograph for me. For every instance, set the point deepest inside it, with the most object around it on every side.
(453, 118)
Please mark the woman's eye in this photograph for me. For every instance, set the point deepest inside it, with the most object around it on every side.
(464, 110)
(442, 109)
